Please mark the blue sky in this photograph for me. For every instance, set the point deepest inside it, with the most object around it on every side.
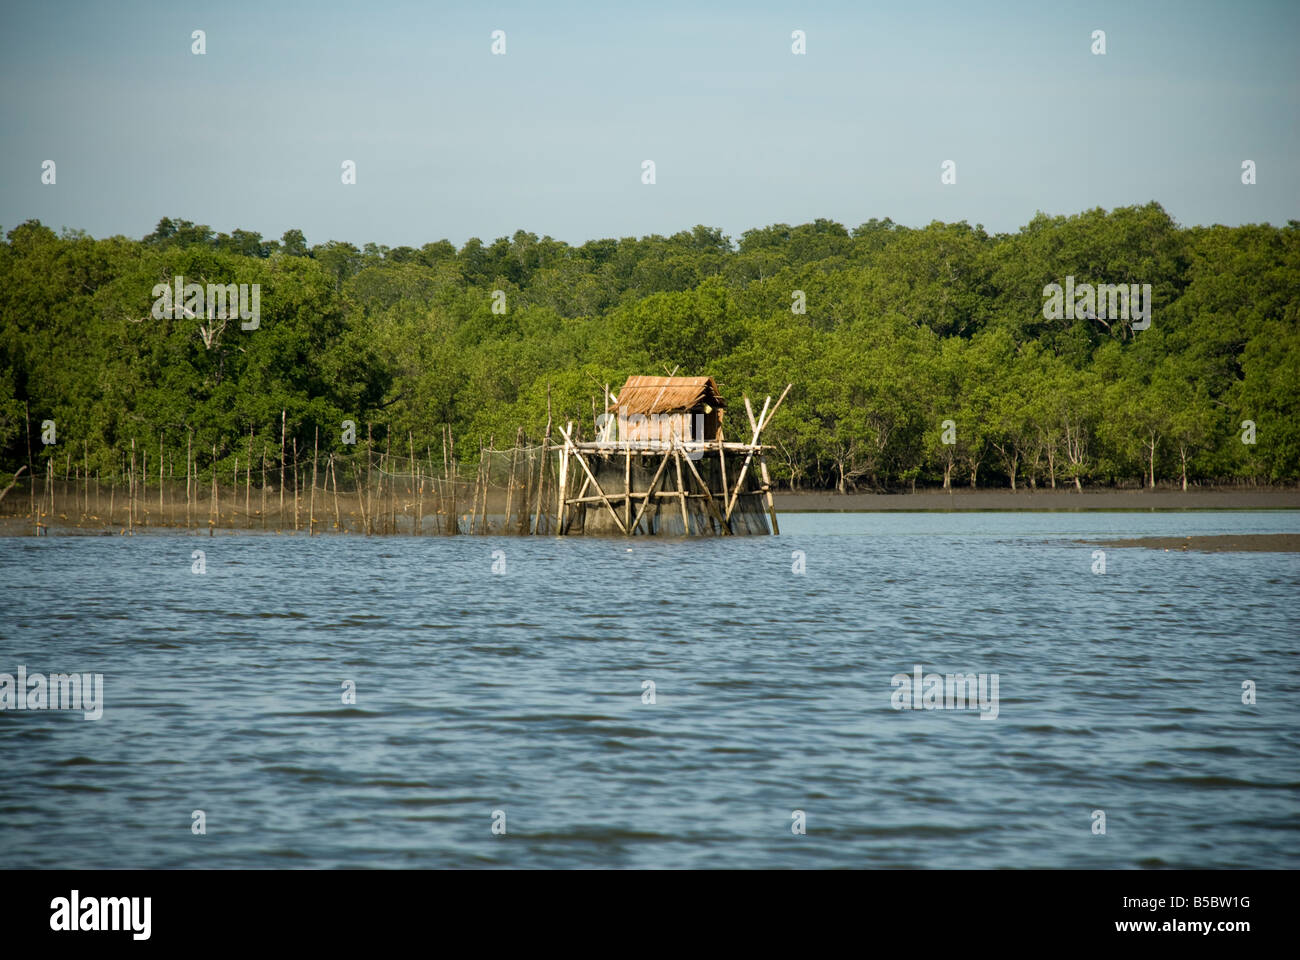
(451, 141)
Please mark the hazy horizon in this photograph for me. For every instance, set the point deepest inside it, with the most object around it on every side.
(451, 141)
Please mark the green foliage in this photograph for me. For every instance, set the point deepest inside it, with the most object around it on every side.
(903, 329)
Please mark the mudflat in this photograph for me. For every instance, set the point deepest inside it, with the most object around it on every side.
(1244, 498)
(1226, 543)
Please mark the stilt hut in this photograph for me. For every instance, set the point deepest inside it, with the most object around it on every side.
(660, 465)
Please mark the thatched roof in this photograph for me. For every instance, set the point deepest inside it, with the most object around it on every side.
(648, 395)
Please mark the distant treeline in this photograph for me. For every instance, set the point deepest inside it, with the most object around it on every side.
(919, 356)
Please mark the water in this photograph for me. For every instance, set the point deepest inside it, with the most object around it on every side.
(522, 692)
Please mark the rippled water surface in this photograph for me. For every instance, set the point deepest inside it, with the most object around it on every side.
(522, 692)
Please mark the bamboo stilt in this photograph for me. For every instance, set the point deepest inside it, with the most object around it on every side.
(681, 490)
(591, 477)
(650, 491)
(723, 525)
(767, 489)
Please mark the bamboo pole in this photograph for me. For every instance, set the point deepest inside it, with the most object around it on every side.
(767, 489)
(708, 494)
(681, 489)
(282, 432)
(762, 423)
(31, 470)
(130, 501)
(563, 484)
(627, 488)
(762, 460)
(248, 482)
(418, 482)
(541, 467)
(369, 447)
(487, 476)
(262, 511)
(334, 482)
(510, 487)
(450, 467)
(595, 483)
(650, 491)
(525, 515)
(161, 457)
(311, 508)
(189, 443)
(722, 464)
(442, 490)
(478, 476)
(361, 503)
(757, 428)
(388, 458)
(214, 514)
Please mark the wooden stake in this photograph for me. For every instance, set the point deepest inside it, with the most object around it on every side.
(214, 515)
(334, 482)
(281, 520)
(487, 476)
(418, 482)
(248, 482)
(311, 509)
(510, 487)
(541, 467)
(130, 501)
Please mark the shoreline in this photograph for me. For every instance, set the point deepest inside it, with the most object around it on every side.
(943, 501)
(1218, 543)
